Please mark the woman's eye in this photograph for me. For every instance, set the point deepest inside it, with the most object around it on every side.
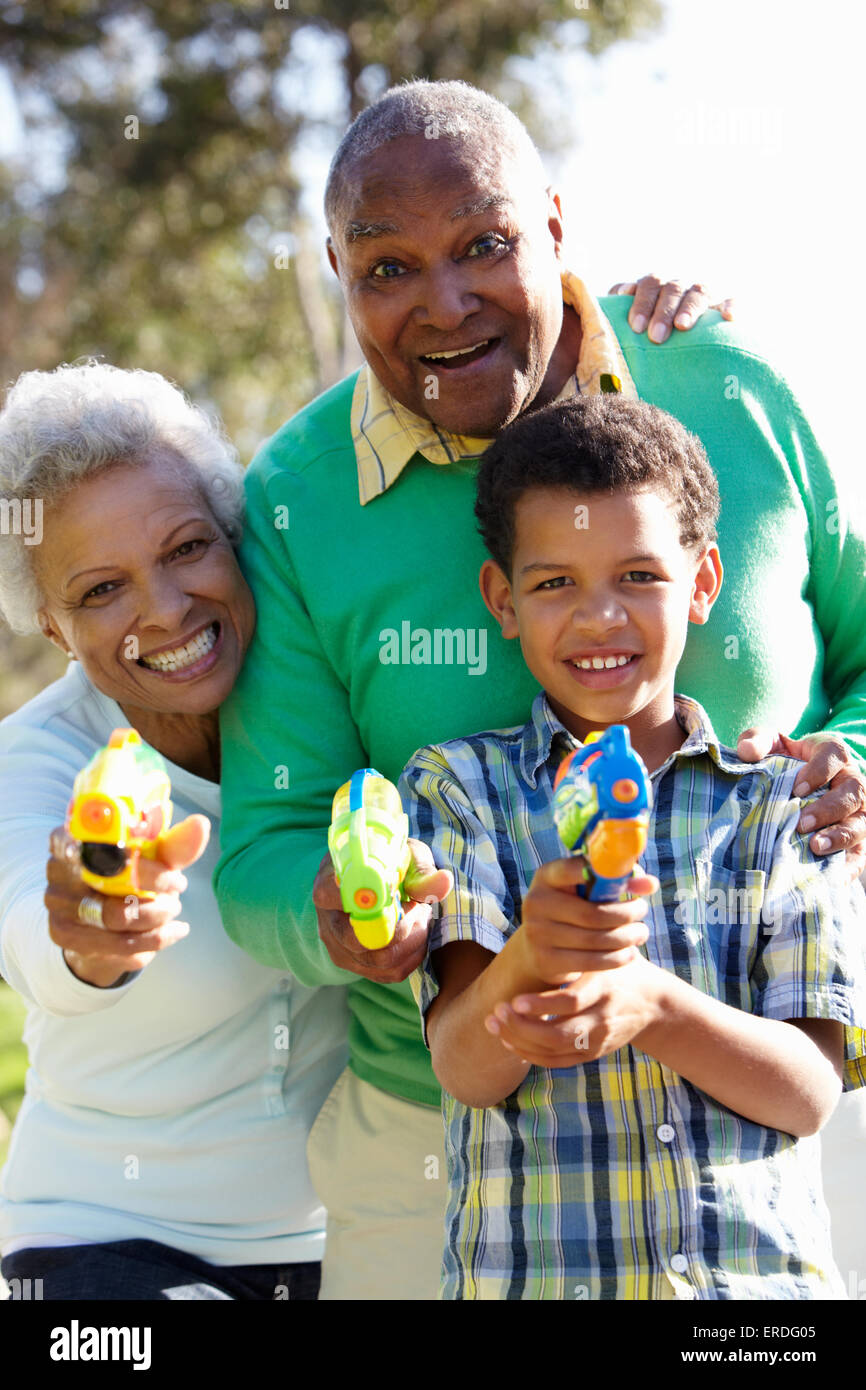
(386, 270)
(106, 587)
(189, 547)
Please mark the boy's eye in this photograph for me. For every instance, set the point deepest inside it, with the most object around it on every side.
(640, 577)
(557, 583)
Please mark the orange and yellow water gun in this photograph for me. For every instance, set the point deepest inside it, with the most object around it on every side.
(121, 804)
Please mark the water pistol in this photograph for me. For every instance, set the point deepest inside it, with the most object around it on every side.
(601, 804)
(369, 844)
(120, 806)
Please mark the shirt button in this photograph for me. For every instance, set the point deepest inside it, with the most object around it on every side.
(679, 1264)
(666, 1133)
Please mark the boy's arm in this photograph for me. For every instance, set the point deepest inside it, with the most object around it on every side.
(476, 958)
(786, 1075)
(559, 935)
(780, 1064)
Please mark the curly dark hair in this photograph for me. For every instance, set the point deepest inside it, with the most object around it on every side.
(596, 444)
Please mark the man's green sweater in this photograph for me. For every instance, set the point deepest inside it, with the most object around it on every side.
(373, 640)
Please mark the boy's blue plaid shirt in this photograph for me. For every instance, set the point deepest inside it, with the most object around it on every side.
(609, 1178)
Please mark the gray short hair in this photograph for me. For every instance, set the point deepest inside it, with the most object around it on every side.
(58, 428)
(455, 110)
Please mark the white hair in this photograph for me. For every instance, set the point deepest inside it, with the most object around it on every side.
(59, 428)
(455, 110)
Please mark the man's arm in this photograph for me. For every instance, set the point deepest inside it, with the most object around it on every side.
(836, 755)
(288, 742)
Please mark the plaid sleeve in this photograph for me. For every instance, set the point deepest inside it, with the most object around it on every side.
(811, 958)
(442, 814)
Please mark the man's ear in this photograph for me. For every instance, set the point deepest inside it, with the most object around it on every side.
(706, 585)
(496, 592)
(554, 221)
(332, 257)
(48, 629)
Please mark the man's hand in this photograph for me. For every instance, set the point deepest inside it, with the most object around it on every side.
(662, 305)
(133, 929)
(586, 1019)
(839, 814)
(425, 884)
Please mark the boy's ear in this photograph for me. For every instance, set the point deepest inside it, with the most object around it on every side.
(706, 585)
(496, 592)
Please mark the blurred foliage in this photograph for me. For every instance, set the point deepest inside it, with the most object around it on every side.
(152, 213)
(13, 1063)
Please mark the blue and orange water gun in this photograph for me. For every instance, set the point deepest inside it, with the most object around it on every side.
(369, 845)
(601, 803)
(120, 806)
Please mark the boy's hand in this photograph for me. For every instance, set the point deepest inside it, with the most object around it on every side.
(586, 1019)
(562, 935)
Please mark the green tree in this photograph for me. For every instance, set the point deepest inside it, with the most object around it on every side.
(152, 214)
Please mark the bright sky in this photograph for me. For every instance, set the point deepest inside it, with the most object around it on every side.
(729, 149)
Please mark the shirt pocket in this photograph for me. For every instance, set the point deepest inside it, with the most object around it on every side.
(724, 928)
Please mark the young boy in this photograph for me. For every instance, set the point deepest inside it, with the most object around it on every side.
(631, 1110)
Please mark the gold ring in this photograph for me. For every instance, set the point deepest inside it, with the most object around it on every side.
(90, 912)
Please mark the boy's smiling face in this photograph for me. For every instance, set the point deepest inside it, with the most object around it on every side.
(601, 600)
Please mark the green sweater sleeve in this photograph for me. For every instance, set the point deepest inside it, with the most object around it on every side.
(837, 585)
(278, 772)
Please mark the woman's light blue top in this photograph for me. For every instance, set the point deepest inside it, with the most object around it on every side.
(177, 1107)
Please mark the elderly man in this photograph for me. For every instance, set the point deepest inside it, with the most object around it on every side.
(372, 640)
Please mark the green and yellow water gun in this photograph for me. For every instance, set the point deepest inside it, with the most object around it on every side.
(369, 844)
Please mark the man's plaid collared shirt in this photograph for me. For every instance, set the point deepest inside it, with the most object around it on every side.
(618, 1179)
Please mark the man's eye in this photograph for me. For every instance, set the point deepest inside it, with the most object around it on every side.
(487, 244)
(386, 270)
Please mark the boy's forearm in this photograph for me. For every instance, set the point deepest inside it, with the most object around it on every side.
(762, 1068)
(471, 1064)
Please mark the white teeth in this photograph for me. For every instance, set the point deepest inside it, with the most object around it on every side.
(597, 663)
(459, 352)
(180, 657)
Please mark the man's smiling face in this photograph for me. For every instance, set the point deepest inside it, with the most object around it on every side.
(439, 253)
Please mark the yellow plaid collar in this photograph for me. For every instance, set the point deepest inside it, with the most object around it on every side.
(386, 434)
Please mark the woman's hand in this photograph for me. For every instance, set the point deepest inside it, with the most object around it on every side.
(133, 929)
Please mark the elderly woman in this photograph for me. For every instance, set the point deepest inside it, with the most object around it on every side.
(159, 1151)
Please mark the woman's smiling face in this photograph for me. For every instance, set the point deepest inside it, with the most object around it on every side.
(141, 586)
